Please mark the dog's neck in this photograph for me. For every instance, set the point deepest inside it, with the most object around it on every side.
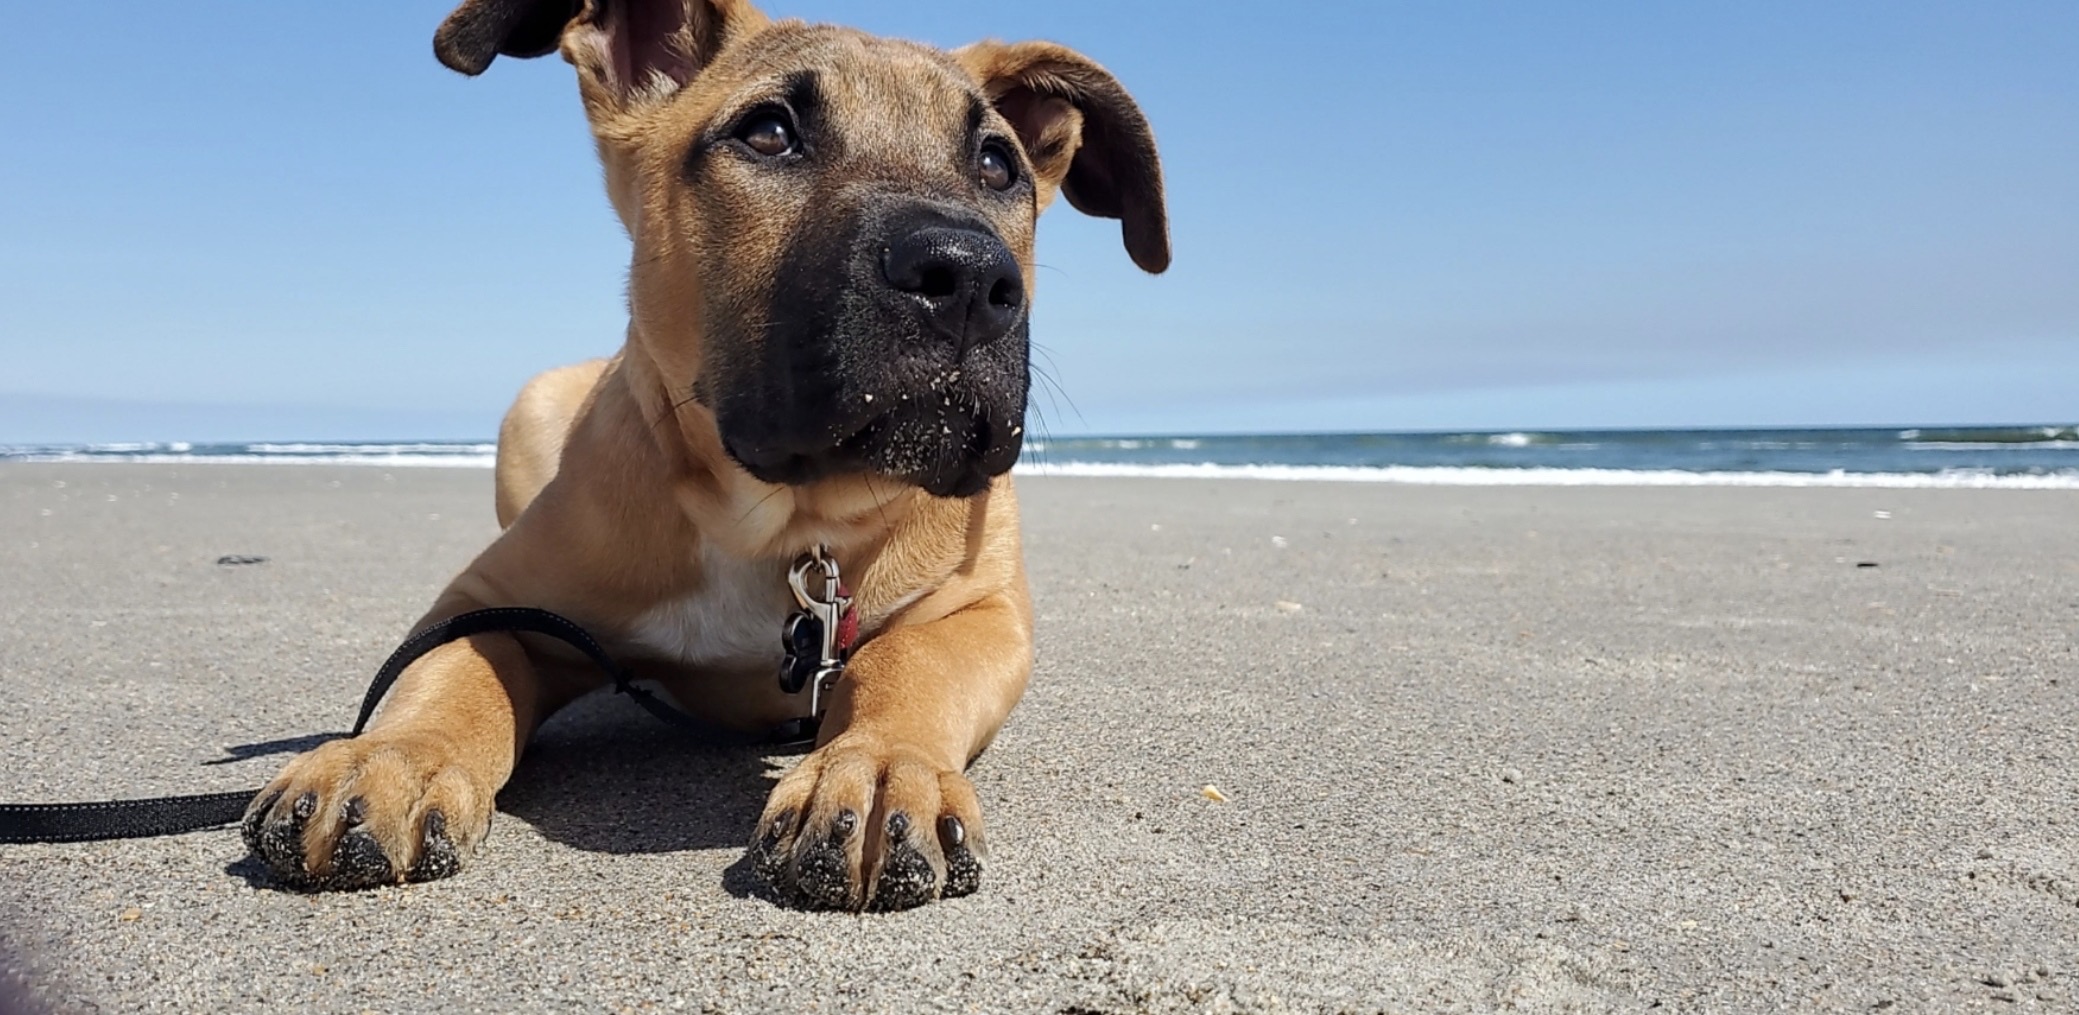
(741, 514)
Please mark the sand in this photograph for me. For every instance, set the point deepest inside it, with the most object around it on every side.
(1534, 749)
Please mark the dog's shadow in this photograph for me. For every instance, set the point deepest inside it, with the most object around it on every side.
(604, 778)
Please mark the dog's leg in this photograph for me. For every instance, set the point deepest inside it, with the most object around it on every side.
(532, 435)
(881, 815)
(411, 797)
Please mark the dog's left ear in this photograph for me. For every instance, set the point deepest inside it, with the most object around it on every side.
(1085, 136)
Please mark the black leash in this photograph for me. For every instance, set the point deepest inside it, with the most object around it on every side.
(171, 815)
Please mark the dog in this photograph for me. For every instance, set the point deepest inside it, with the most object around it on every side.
(829, 303)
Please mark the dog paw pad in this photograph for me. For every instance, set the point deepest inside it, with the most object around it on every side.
(907, 879)
(823, 875)
(358, 862)
(963, 872)
(438, 857)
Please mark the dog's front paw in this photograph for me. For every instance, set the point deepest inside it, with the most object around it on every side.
(368, 811)
(864, 825)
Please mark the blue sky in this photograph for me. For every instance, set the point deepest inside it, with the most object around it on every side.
(285, 220)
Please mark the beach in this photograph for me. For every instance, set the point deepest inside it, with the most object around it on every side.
(1481, 749)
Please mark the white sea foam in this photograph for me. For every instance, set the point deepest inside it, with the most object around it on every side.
(1509, 440)
(1993, 446)
(1955, 479)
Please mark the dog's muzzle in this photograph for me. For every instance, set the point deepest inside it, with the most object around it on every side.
(896, 346)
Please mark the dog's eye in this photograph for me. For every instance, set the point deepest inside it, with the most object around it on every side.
(995, 168)
(768, 134)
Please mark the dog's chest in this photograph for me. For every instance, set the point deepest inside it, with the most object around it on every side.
(734, 618)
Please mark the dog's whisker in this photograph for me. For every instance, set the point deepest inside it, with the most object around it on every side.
(761, 503)
(671, 411)
(879, 506)
(1054, 389)
(1036, 419)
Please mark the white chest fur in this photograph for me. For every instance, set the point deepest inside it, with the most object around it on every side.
(734, 618)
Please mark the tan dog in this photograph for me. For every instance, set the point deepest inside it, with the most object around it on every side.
(828, 296)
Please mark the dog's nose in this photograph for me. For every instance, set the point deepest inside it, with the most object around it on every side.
(965, 280)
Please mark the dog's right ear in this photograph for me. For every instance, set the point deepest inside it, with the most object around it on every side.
(625, 51)
(480, 31)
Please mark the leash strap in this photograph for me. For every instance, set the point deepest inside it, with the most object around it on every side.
(171, 815)
(120, 819)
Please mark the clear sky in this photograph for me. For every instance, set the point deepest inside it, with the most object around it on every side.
(265, 219)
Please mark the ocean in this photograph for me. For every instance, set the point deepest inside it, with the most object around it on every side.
(2025, 457)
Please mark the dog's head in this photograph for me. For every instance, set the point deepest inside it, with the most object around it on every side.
(833, 232)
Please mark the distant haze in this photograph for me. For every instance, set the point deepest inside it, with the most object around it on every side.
(256, 220)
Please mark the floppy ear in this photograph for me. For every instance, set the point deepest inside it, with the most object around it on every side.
(480, 31)
(625, 50)
(1085, 136)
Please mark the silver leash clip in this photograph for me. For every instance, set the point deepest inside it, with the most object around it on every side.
(814, 657)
